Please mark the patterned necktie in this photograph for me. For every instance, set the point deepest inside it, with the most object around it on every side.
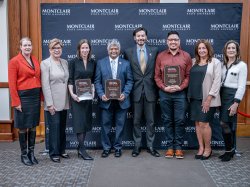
(142, 61)
(113, 69)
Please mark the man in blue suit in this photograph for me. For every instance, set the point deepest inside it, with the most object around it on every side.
(113, 67)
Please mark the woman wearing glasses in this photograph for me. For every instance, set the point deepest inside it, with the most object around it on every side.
(54, 72)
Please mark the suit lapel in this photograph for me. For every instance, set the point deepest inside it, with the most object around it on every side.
(23, 61)
(149, 56)
(119, 67)
(108, 67)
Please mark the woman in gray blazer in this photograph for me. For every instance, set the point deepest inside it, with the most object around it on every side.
(54, 72)
(203, 94)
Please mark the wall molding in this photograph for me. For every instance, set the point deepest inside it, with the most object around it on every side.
(4, 85)
(6, 131)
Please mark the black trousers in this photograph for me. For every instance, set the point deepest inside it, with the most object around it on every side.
(57, 137)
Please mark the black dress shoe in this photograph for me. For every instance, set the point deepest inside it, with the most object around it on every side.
(198, 156)
(105, 153)
(206, 157)
(55, 159)
(83, 153)
(153, 152)
(65, 155)
(136, 151)
(118, 152)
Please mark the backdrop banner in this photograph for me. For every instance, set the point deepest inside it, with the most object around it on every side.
(99, 23)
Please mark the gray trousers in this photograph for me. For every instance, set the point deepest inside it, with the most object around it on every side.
(146, 110)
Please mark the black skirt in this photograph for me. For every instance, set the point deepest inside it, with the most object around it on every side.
(82, 116)
(227, 99)
(196, 113)
(30, 115)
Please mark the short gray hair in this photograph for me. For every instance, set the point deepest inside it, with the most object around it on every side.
(113, 42)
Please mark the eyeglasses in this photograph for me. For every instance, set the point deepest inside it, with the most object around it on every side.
(173, 39)
(56, 48)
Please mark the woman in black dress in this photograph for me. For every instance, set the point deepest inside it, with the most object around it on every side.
(234, 77)
(82, 67)
(203, 93)
(25, 91)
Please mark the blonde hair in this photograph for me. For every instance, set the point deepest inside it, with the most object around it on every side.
(54, 42)
(23, 39)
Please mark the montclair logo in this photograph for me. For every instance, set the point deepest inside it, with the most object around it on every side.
(69, 130)
(192, 41)
(126, 27)
(180, 27)
(217, 143)
(96, 129)
(152, 12)
(71, 56)
(159, 129)
(218, 56)
(190, 129)
(80, 27)
(64, 42)
(224, 27)
(156, 42)
(201, 11)
(100, 41)
(90, 143)
(56, 12)
(128, 143)
(45, 42)
(104, 12)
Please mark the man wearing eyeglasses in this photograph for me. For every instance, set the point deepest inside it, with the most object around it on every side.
(172, 77)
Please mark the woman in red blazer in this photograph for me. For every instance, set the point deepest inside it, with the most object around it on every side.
(25, 89)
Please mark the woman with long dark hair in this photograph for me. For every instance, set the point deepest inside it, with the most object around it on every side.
(234, 77)
(81, 67)
(204, 95)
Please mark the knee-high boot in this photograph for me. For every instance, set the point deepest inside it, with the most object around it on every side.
(23, 145)
(31, 146)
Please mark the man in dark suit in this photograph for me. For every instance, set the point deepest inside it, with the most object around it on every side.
(113, 67)
(142, 59)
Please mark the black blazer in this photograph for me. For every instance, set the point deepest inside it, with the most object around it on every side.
(78, 71)
(143, 80)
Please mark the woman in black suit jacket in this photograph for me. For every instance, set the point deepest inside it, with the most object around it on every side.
(81, 67)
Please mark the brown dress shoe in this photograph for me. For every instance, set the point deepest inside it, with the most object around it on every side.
(169, 153)
(179, 154)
